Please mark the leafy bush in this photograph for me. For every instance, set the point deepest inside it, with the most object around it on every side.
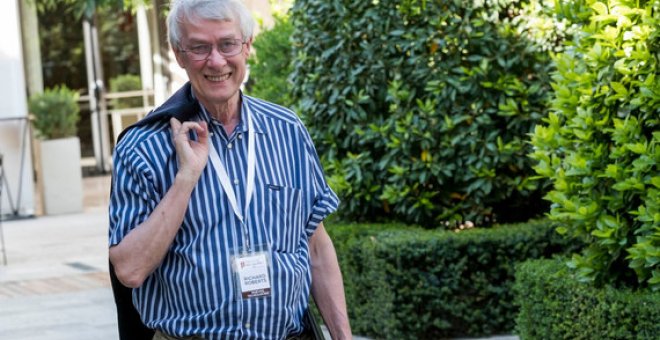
(124, 83)
(420, 109)
(56, 112)
(408, 283)
(555, 305)
(272, 64)
(370, 312)
(600, 144)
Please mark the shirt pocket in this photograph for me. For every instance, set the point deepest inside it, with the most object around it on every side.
(286, 229)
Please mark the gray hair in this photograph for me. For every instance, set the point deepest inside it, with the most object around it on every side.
(218, 10)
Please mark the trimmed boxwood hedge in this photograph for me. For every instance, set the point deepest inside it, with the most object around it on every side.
(409, 283)
(555, 305)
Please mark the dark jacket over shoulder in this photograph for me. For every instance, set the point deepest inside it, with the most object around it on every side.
(182, 106)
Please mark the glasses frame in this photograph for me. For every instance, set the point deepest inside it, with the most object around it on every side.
(198, 57)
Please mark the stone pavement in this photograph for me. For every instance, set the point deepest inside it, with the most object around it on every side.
(55, 284)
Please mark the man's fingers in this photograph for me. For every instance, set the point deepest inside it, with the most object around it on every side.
(175, 124)
(202, 132)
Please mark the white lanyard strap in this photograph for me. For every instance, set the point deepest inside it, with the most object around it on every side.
(251, 165)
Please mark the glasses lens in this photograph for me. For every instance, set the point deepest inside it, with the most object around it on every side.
(226, 47)
(199, 52)
(230, 47)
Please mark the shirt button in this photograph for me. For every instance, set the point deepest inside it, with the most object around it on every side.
(247, 325)
(235, 182)
(229, 146)
(240, 136)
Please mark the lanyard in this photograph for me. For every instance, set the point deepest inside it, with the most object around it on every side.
(224, 177)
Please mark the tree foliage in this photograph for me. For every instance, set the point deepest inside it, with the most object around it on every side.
(63, 51)
(421, 109)
(87, 8)
(272, 63)
(600, 144)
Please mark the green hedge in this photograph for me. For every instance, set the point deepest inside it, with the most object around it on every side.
(421, 109)
(410, 283)
(555, 305)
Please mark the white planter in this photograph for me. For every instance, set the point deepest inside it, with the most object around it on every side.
(61, 176)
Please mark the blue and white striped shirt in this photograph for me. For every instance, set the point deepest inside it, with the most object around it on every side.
(193, 292)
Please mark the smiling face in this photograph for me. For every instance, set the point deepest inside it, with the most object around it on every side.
(216, 81)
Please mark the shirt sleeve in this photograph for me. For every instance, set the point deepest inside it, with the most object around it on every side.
(130, 201)
(325, 200)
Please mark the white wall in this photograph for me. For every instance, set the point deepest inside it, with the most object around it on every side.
(261, 12)
(13, 111)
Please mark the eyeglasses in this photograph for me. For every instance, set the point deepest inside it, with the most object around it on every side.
(226, 47)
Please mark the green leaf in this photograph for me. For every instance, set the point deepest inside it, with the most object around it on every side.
(621, 67)
(619, 88)
(600, 8)
(638, 148)
(655, 181)
(607, 221)
(603, 233)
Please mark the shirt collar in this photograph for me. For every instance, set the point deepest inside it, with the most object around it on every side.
(242, 126)
(257, 122)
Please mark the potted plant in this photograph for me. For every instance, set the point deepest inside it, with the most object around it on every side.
(55, 113)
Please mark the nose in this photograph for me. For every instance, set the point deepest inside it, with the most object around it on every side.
(216, 58)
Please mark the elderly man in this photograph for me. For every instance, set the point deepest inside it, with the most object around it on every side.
(218, 200)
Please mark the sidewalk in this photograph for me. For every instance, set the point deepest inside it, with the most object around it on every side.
(55, 284)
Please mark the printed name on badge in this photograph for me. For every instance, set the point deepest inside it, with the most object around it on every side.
(253, 275)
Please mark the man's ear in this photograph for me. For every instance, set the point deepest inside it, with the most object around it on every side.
(179, 57)
(248, 47)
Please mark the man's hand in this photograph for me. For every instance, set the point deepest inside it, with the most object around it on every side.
(192, 155)
(143, 248)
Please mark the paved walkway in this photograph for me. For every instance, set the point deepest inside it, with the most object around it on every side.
(55, 284)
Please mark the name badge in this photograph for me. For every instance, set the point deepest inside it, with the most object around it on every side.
(252, 273)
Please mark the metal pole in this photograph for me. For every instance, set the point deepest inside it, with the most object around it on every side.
(98, 83)
(2, 234)
(96, 98)
(22, 166)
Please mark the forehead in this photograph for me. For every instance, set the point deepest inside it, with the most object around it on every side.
(209, 30)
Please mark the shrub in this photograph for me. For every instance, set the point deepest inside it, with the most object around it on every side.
(555, 305)
(56, 112)
(371, 312)
(124, 83)
(272, 64)
(600, 144)
(420, 109)
(404, 282)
